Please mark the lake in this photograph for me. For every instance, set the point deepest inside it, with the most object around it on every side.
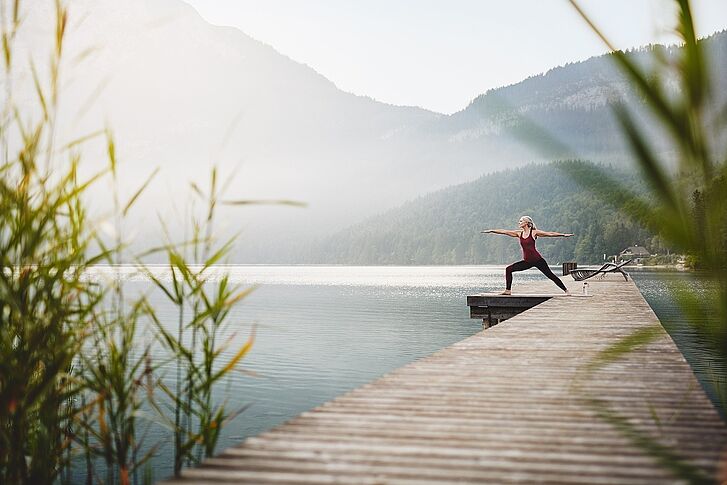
(323, 330)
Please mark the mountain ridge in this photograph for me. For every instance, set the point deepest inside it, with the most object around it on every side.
(179, 92)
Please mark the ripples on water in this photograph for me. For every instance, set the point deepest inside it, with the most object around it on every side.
(323, 330)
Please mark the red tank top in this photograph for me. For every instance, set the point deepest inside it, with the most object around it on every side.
(530, 254)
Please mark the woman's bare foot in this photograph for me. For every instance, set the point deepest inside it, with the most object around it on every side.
(506, 292)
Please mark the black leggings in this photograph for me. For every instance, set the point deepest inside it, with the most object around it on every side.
(523, 265)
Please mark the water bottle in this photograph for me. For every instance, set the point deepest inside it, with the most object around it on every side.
(585, 288)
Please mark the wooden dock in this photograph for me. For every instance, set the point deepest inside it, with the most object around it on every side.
(493, 308)
(513, 403)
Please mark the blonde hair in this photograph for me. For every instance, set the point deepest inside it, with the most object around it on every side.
(529, 220)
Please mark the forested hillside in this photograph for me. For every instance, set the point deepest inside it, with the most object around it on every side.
(444, 227)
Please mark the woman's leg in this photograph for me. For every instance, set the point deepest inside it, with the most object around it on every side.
(519, 266)
(542, 265)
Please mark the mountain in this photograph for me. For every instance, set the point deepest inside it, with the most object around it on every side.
(444, 227)
(567, 112)
(181, 94)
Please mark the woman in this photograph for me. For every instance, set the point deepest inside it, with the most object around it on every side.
(527, 234)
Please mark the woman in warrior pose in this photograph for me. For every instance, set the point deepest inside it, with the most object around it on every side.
(527, 234)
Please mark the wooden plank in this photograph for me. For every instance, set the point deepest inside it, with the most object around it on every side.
(509, 404)
(526, 301)
(496, 312)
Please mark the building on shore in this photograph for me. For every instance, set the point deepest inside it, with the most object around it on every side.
(636, 253)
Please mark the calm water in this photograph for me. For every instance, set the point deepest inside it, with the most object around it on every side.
(323, 330)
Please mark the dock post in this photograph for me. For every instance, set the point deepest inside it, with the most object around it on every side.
(489, 320)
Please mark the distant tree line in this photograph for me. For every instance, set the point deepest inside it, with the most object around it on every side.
(444, 227)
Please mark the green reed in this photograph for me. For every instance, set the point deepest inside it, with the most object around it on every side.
(46, 305)
(115, 381)
(203, 300)
(686, 204)
(74, 387)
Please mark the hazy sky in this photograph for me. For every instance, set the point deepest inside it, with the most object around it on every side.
(441, 54)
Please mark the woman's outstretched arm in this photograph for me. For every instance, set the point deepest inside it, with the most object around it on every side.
(540, 233)
(504, 232)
